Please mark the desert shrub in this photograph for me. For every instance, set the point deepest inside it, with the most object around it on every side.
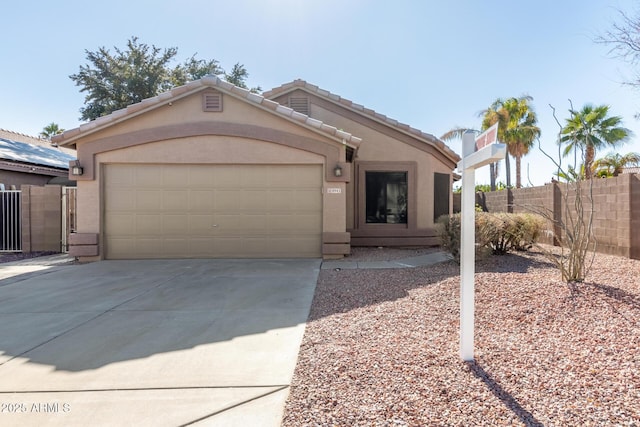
(500, 232)
(526, 230)
(503, 232)
(449, 233)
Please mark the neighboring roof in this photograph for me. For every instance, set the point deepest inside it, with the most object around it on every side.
(315, 90)
(68, 137)
(631, 170)
(28, 139)
(34, 154)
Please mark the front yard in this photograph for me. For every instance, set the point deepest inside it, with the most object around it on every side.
(381, 347)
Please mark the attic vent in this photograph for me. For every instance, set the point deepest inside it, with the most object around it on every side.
(212, 101)
(299, 104)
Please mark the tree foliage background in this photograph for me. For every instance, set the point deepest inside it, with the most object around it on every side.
(623, 38)
(114, 80)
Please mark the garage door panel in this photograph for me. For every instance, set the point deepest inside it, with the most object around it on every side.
(201, 248)
(200, 224)
(227, 201)
(305, 177)
(174, 177)
(254, 224)
(148, 225)
(148, 200)
(257, 176)
(174, 200)
(175, 225)
(306, 200)
(146, 247)
(305, 246)
(252, 200)
(147, 177)
(175, 248)
(279, 200)
(220, 211)
(231, 224)
(122, 199)
(121, 247)
(225, 177)
(294, 224)
(121, 224)
(121, 177)
(200, 200)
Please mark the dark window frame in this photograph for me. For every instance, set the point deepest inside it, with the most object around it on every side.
(441, 188)
(412, 194)
(386, 197)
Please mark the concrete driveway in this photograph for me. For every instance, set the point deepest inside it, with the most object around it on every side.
(177, 342)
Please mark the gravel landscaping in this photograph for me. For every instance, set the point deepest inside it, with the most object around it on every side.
(381, 347)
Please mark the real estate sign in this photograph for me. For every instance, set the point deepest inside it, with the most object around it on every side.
(476, 152)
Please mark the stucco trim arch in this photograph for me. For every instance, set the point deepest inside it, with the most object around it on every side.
(87, 151)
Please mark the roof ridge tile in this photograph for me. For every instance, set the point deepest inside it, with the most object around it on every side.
(429, 138)
(210, 81)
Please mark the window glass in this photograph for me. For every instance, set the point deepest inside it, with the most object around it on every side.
(386, 197)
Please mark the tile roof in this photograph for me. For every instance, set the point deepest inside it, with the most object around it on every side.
(192, 87)
(34, 154)
(313, 89)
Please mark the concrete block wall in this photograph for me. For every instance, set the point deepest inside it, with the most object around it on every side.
(616, 202)
(634, 232)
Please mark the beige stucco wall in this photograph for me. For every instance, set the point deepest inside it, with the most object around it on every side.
(205, 149)
(377, 146)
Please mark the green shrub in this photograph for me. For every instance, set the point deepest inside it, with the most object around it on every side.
(499, 232)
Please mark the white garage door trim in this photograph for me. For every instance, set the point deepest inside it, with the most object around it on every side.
(212, 211)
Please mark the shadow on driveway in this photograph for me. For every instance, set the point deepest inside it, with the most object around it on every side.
(90, 317)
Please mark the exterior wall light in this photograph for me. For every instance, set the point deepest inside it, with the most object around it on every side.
(77, 169)
(337, 171)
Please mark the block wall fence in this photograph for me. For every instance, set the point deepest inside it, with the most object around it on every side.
(616, 203)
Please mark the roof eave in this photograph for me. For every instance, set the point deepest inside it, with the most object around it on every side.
(359, 109)
(70, 137)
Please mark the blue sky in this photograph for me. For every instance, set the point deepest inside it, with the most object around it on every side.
(431, 64)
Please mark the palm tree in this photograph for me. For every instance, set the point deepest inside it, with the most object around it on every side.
(492, 115)
(456, 133)
(516, 128)
(52, 129)
(590, 129)
(521, 131)
(614, 163)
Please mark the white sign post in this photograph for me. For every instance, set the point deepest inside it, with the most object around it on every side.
(476, 152)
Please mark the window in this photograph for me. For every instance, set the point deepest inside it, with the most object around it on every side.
(441, 194)
(386, 197)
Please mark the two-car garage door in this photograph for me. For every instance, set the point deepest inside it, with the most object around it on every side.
(212, 211)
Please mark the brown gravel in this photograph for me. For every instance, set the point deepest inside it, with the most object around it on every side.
(381, 347)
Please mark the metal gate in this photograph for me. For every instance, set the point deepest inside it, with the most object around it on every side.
(10, 221)
(69, 221)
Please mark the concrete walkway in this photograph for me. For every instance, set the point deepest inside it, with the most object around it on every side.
(409, 262)
(150, 343)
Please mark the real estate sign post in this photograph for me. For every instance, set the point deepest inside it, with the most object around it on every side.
(476, 152)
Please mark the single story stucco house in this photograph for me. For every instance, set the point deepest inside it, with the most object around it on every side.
(211, 170)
